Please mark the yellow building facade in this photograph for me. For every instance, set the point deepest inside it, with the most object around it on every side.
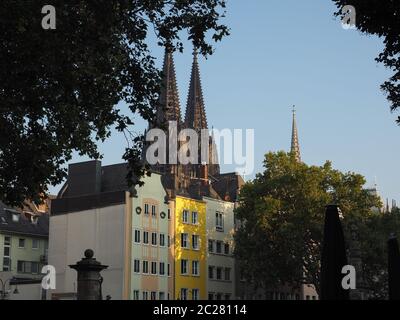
(190, 249)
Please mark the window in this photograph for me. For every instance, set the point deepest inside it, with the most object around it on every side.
(35, 267)
(137, 236)
(219, 221)
(195, 268)
(162, 240)
(154, 238)
(185, 216)
(146, 208)
(6, 263)
(153, 296)
(7, 241)
(195, 242)
(219, 296)
(135, 294)
(154, 268)
(169, 270)
(27, 267)
(219, 247)
(211, 272)
(227, 274)
(162, 269)
(211, 296)
(226, 248)
(184, 240)
(169, 214)
(153, 211)
(184, 267)
(145, 295)
(195, 294)
(35, 244)
(21, 243)
(184, 294)
(136, 266)
(161, 295)
(145, 268)
(219, 273)
(227, 296)
(211, 246)
(145, 237)
(169, 241)
(7, 251)
(195, 217)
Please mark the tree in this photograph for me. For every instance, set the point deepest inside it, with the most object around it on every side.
(282, 214)
(59, 89)
(381, 18)
(374, 234)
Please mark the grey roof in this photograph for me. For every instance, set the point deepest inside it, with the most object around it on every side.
(24, 226)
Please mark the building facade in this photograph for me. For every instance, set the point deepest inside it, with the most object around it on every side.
(220, 249)
(152, 260)
(190, 249)
(23, 248)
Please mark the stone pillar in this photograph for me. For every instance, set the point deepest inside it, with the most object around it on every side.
(89, 278)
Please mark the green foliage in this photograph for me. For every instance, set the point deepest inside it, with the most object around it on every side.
(59, 89)
(381, 18)
(374, 234)
(282, 215)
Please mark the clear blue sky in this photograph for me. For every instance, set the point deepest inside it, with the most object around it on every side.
(285, 52)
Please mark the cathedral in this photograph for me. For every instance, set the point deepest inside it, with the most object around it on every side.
(202, 178)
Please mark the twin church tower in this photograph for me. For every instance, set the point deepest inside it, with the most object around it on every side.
(199, 179)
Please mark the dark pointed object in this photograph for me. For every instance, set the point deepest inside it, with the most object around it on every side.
(394, 268)
(333, 257)
(168, 108)
(195, 110)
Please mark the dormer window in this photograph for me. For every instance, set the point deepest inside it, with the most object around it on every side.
(15, 217)
(34, 219)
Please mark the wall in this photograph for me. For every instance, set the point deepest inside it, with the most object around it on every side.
(188, 281)
(99, 229)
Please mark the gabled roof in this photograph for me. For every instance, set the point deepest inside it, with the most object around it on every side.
(23, 225)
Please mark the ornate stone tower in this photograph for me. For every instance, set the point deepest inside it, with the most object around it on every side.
(295, 146)
(168, 109)
(196, 119)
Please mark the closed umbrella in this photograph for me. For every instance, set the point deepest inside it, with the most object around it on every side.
(333, 257)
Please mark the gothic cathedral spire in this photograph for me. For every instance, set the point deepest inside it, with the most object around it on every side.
(295, 146)
(195, 111)
(168, 108)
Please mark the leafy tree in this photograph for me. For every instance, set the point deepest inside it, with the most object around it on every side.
(381, 18)
(59, 89)
(282, 215)
(374, 234)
